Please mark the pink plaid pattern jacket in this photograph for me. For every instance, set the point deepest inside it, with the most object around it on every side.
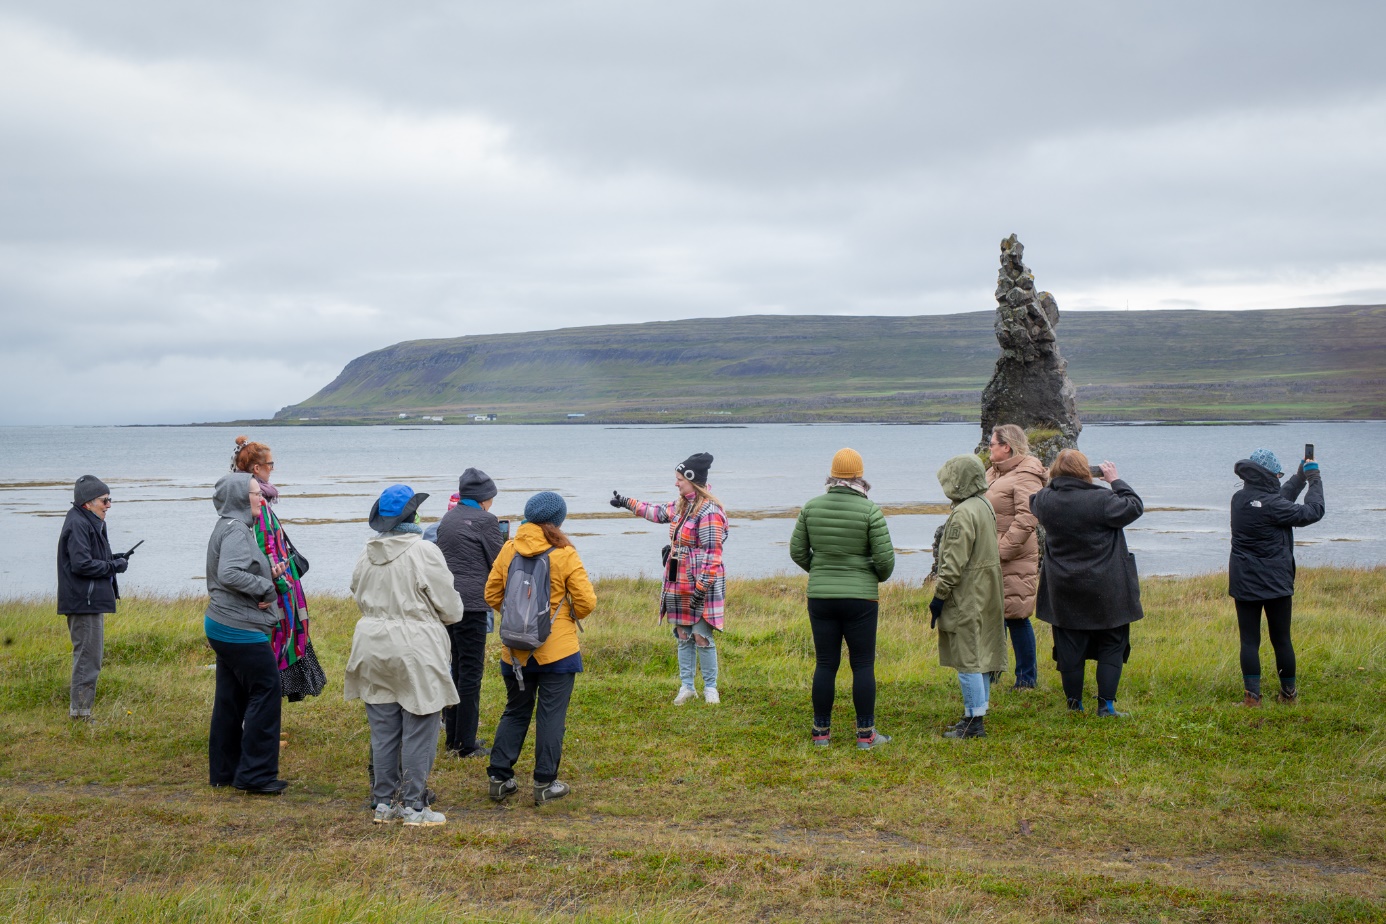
(697, 544)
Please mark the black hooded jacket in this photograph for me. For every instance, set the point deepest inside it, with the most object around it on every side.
(1264, 514)
(1088, 577)
(86, 568)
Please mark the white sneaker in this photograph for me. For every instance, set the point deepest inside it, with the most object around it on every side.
(422, 818)
(685, 694)
(385, 814)
(710, 695)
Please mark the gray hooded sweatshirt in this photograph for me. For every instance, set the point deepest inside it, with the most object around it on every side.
(238, 573)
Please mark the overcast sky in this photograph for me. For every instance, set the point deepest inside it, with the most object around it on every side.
(206, 210)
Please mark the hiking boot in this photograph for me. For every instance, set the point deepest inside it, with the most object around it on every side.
(685, 694)
(1106, 709)
(1250, 700)
(970, 727)
(547, 792)
(474, 752)
(875, 739)
(422, 818)
(502, 789)
(1288, 697)
(386, 814)
(710, 696)
(1020, 687)
(822, 737)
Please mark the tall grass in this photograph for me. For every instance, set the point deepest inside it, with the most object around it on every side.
(1192, 809)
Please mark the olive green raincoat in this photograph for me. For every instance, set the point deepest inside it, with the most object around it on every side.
(971, 630)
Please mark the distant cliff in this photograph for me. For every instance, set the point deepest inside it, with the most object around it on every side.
(1174, 365)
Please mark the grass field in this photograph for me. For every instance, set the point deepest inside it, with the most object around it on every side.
(1191, 810)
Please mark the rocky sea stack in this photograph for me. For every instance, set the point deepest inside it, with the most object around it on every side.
(1030, 386)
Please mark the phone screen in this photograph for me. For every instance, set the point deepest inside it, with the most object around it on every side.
(1308, 451)
(505, 529)
(1096, 470)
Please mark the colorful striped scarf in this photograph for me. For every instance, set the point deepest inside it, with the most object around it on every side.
(290, 638)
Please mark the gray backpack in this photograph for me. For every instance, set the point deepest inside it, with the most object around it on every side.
(526, 619)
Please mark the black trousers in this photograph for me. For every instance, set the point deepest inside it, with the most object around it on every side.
(550, 693)
(1073, 648)
(833, 622)
(1278, 624)
(243, 745)
(468, 639)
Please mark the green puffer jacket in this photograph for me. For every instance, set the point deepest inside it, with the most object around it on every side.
(842, 541)
(971, 630)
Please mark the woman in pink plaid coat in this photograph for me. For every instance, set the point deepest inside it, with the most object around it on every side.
(695, 583)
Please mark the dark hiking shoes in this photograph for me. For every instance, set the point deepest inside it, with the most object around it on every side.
(1106, 709)
(547, 792)
(871, 740)
(969, 727)
(502, 789)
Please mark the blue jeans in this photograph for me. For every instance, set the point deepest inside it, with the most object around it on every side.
(1022, 635)
(976, 691)
(696, 646)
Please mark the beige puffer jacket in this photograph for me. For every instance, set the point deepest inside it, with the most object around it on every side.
(1009, 486)
(400, 652)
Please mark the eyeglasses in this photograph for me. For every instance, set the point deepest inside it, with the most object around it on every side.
(107, 500)
(269, 464)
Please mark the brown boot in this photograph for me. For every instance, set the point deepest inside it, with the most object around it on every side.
(1250, 699)
(1288, 697)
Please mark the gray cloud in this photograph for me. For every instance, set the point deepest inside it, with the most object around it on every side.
(207, 211)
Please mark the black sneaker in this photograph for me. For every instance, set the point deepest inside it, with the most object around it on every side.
(503, 789)
(971, 727)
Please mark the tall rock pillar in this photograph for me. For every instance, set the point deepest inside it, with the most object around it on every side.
(1030, 386)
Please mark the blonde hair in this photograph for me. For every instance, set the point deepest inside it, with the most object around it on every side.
(1012, 436)
(701, 496)
(1071, 463)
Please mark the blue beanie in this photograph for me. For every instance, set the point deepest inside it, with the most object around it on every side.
(546, 507)
(1267, 460)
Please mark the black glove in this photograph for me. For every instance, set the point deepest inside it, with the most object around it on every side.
(936, 608)
(619, 502)
(126, 554)
(121, 563)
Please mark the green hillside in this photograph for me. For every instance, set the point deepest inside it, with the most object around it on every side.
(1175, 365)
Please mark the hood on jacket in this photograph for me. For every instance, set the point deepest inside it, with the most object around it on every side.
(231, 496)
(386, 547)
(1257, 476)
(962, 477)
(529, 540)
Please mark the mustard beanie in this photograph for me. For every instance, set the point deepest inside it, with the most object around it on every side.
(847, 464)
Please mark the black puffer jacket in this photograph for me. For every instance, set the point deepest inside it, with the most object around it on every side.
(86, 568)
(470, 539)
(1264, 514)
(1088, 577)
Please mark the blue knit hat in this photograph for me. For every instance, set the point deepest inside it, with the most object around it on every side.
(546, 507)
(1267, 460)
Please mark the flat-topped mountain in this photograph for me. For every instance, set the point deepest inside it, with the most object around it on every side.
(1174, 365)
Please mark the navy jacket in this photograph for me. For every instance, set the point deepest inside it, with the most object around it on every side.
(1264, 514)
(86, 568)
(1088, 577)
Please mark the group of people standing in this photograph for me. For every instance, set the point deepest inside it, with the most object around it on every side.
(1020, 540)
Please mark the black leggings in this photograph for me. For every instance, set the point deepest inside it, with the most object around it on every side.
(832, 622)
(1278, 622)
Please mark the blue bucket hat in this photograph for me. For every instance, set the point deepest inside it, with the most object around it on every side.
(397, 504)
(546, 507)
(1267, 460)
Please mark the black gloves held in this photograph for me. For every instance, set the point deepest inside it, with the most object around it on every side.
(619, 502)
(121, 563)
(699, 597)
(936, 608)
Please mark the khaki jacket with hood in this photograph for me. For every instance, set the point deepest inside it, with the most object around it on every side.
(567, 579)
(1009, 486)
(971, 630)
(400, 651)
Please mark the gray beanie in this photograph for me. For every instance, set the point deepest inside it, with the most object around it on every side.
(476, 485)
(87, 489)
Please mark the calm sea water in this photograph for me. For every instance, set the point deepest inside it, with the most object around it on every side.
(162, 478)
